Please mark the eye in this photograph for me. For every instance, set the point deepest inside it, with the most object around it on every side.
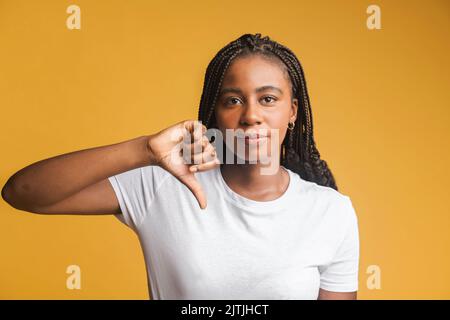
(232, 101)
(269, 99)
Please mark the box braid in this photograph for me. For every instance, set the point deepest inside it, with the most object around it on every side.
(299, 151)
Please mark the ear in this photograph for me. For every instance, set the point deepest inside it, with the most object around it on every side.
(294, 110)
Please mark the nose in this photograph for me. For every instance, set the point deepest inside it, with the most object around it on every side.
(250, 115)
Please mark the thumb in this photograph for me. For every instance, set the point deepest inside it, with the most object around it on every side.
(190, 181)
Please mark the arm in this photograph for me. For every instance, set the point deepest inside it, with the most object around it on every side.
(76, 182)
(330, 295)
(340, 275)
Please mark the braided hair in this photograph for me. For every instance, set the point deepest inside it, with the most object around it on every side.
(299, 152)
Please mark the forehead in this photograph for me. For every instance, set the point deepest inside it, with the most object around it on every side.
(255, 71)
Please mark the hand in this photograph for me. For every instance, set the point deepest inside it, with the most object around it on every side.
(182, 150)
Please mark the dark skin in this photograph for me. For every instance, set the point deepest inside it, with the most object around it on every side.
(269, 108)
(248, 108)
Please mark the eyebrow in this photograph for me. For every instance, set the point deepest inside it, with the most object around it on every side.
(257, 90)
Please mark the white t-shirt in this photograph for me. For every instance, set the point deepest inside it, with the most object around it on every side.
(238, 248)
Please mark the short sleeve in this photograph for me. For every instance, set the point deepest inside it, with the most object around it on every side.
(341, 274)
(135, 191)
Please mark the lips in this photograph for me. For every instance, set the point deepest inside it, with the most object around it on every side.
(250, 135)
(254, 137)
(255, 141)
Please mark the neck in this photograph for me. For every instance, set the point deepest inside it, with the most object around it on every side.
(248, 177)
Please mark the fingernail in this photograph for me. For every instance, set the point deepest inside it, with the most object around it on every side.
(193, 168)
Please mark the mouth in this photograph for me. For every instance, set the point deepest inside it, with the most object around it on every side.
(250, 135)
(257, 140)
(254, 139)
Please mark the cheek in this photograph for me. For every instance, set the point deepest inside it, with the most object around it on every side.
(278, 123)
(281, 135)
(226, 119)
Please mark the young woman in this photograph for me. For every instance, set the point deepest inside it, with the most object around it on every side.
(212, 228)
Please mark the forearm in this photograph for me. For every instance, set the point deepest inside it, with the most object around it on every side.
(48, 181)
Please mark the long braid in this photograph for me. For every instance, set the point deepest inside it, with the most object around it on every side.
(299, 153)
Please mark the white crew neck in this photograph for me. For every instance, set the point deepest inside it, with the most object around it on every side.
(255, 206)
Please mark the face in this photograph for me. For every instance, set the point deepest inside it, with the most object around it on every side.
(255, 97)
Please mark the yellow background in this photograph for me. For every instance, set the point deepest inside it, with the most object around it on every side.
(380, 101)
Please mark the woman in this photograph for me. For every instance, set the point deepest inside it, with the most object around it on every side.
(286, 234)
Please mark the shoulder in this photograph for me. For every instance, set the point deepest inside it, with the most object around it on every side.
(153, 176)
(156, 172)
(332, 212)
(329, 202)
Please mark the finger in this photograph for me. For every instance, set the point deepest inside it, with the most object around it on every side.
(190, 129)
(199, 131)
(195, 129)
(205, 166)
(191, 150)
(199, 146)
(195, 187)
(209, 154)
